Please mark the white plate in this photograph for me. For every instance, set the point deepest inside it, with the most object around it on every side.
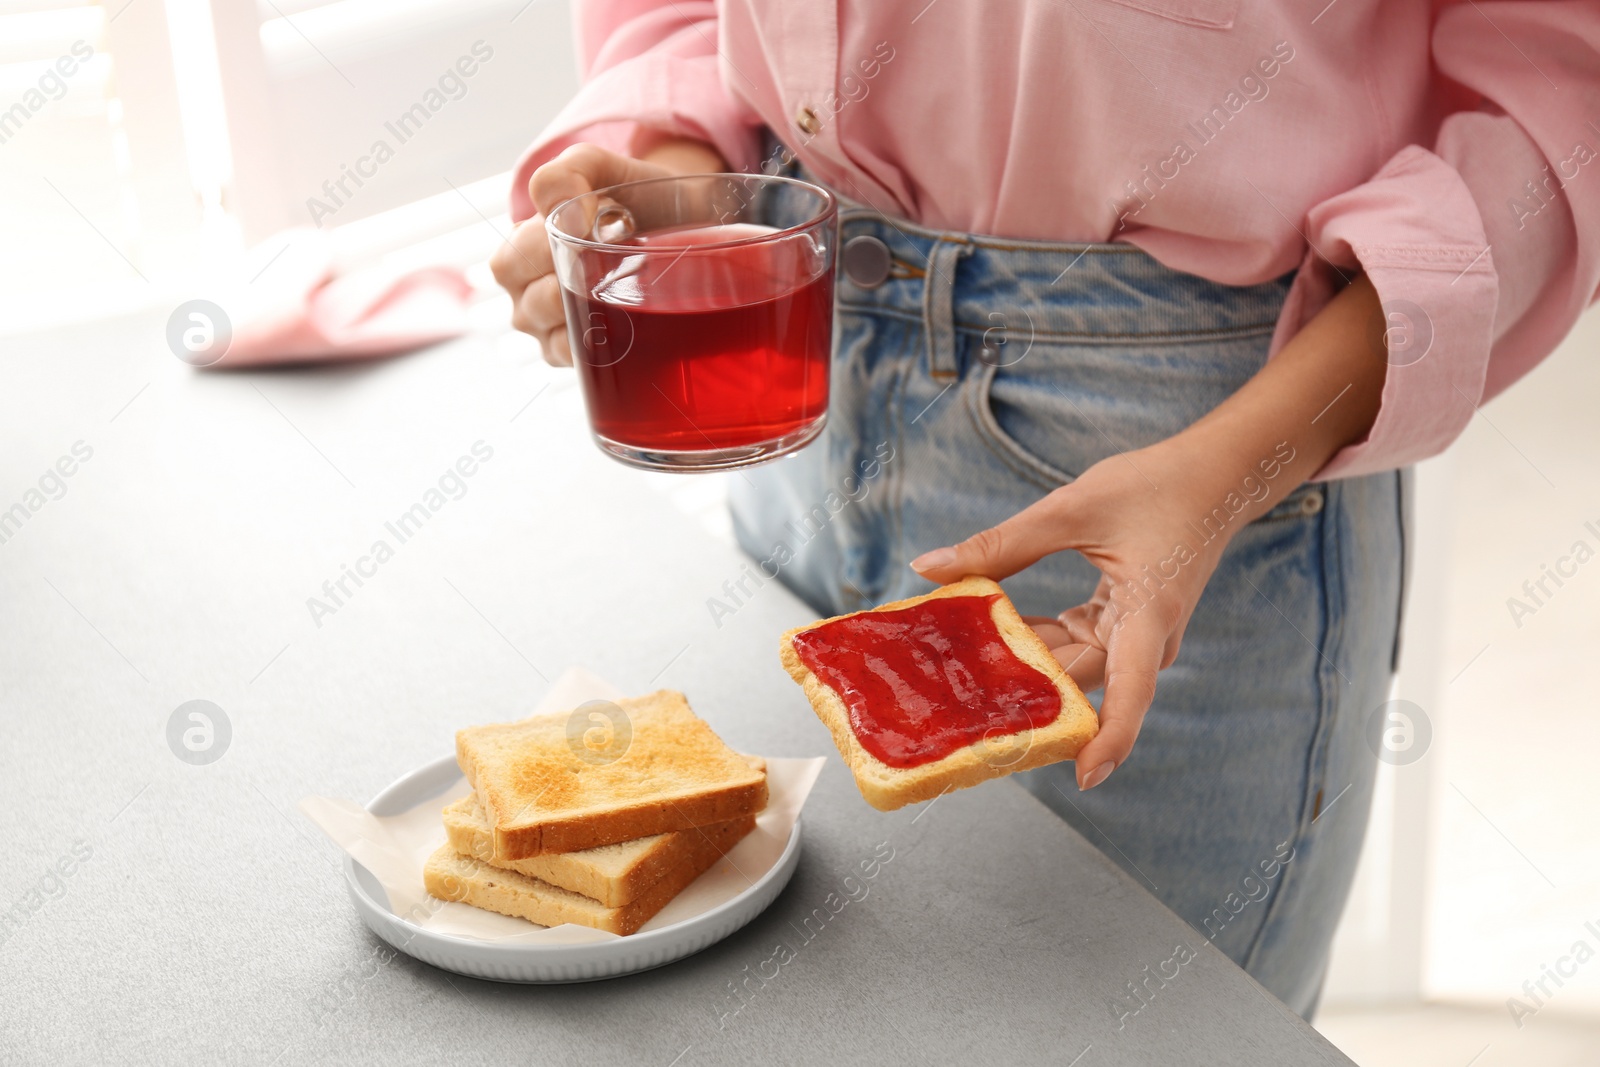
(547, 963)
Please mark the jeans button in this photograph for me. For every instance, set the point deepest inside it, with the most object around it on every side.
(1311, 503)
(866, 261)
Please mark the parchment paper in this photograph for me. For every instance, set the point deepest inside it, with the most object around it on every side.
(395, 847)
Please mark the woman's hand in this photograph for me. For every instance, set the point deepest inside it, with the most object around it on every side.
(523, 265)
(1135, 515)
(1129, 515)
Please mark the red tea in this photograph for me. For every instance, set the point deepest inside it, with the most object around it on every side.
(706, 349)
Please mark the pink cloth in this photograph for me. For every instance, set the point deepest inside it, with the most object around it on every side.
(301, 309)
(1448, 148)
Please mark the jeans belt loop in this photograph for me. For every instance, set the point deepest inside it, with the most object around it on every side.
(938, 307)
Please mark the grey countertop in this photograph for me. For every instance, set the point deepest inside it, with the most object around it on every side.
(157, 910)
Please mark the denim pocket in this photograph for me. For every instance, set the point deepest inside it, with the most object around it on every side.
(977, 394)
(1059, 407)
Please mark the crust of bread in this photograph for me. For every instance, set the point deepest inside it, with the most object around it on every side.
(615, 875)
(449, 875)
(887, 788)
(542, 796)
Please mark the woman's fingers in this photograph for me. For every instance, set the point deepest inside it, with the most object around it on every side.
(523, 264)
(1082, 642)
(537, 309)
(1001, 551)
(1134, 654)
(583, 168)
(538, 312)
(1086, 663)
(557, 347)
(522, 258)
(1081, 622)
(1047, 628)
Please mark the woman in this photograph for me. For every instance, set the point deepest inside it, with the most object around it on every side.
(1177, 285)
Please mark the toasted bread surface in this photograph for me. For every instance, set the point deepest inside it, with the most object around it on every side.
(543, 792)
(614, 875)
(888, 788)
(449, 875)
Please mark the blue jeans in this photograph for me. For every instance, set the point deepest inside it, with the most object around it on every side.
(984, 372)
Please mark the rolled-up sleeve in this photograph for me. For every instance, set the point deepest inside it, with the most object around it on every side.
(1485, 249)
(649, 68)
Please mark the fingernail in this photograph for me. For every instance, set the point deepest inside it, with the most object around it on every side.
(939, 557)
(1098, 775)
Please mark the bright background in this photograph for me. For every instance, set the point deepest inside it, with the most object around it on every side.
(198, 131)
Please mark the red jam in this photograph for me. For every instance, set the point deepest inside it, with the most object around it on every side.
(924, 681)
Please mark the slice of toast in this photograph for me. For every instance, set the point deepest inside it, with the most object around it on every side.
(614, 875)
(997, 754)
(449, 875)
(544, 792)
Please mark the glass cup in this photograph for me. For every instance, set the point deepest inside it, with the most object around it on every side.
(701, 335)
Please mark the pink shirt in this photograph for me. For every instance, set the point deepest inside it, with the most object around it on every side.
(1449, 149)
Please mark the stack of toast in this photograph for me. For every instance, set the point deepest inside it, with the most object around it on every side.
(558, 831)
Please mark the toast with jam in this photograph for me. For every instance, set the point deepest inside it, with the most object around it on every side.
(938, 692)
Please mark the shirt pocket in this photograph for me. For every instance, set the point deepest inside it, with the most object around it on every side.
(1211, 14)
